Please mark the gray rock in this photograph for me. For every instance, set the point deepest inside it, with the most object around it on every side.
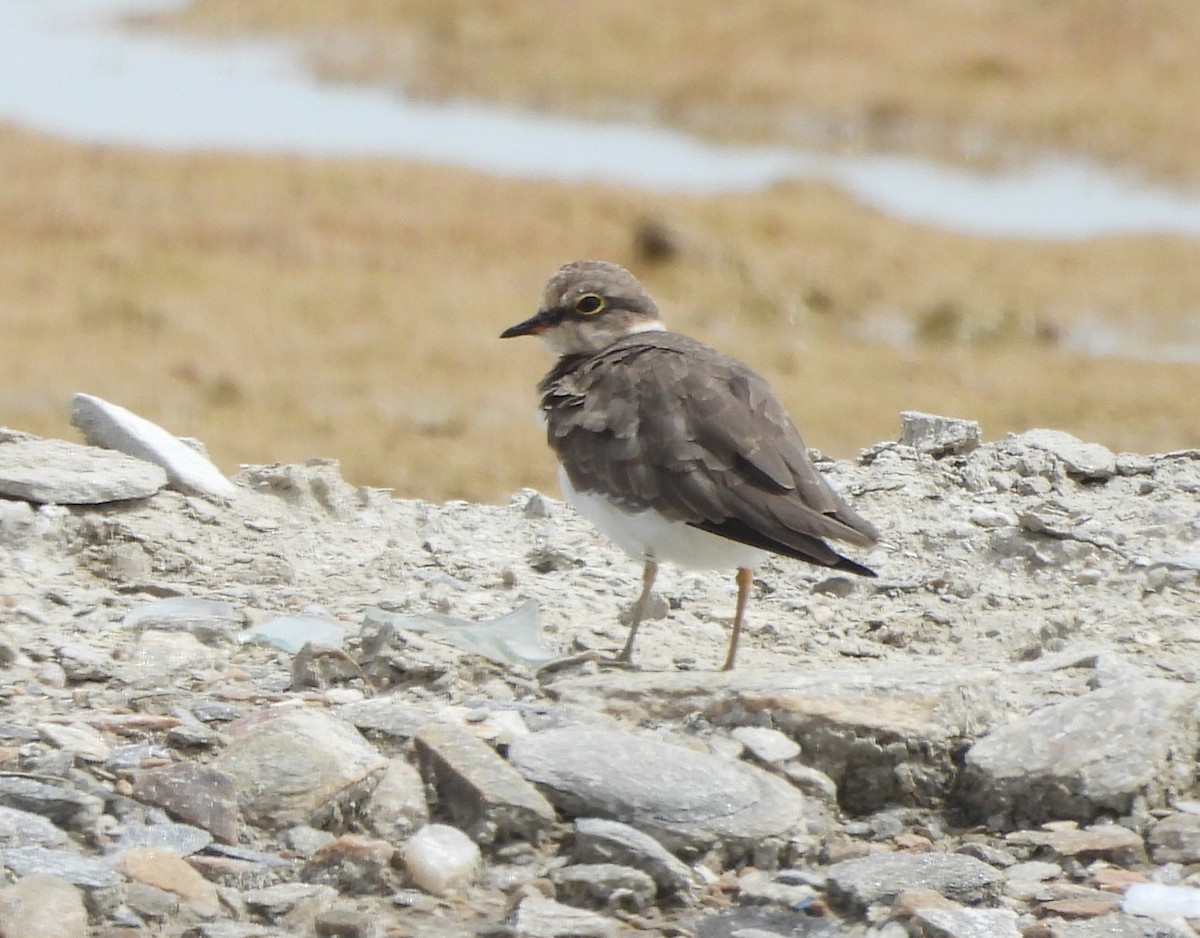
(396, 807)
(41, 906)
(61, 473)
(680, 796)
(604, 885)
(545, 918)
(599, 840)
(24, 829)
(66, 807)
(68, 865)
(386, 714)
(211, 621)
(1176, 839)
(765, 744)
(83, 741)
(968, 923)
(198, 794)
(299, 768)
(1089, 461)
(180, 839)
(105, 424)
(1087, 755)
(1118, 926)
(766, 922)
(275, 902)
(938, 436)
(485, 795)
(884, 735)
(881, 877)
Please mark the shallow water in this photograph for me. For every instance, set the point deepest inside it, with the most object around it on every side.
(68, 69)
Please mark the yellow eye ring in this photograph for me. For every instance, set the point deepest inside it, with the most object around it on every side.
(589, 304)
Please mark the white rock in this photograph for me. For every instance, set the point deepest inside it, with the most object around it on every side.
(109, 425)
(1158, 901)
(441, 859)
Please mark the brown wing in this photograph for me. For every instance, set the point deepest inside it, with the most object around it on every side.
(658, 419)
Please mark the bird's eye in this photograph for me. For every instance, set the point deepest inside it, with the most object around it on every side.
(589, 304)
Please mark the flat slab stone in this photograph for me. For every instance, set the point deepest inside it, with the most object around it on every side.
(109, 425)
(680, 796)
(1082, 460)
(881, 877)
(487, 797)
(884, 736)
(55, 472)
(1088, 755)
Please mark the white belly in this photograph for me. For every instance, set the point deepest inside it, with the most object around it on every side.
(649, 534)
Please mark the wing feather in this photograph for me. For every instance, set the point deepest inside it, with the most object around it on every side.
(660, 420)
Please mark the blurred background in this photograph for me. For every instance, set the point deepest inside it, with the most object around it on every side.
(296, 228)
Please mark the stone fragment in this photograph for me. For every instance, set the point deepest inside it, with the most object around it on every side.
(757, 921)
(679, 796)
(599, 840)
(280, 900)
(485, 795)
(938, 436)
(209, 620)
(1086, 755)
(65, 806)
(25, 829)
(604, 885)
(166, 871)
(1104, 840)
(151, 902)
(1086, 461)
(397, 805)
(193, 793)
(968, 923)
(180, 839)
(299, 767)
(1116, 926)
(65, 864)
(352, 864)
(441, 859)
(545, 918)
(156, 656)
(109, 425)
(386, 714)
(41, 906)
(61, 473)
(881, 877)
(86, 742)
(1176, 839)
(765, 744)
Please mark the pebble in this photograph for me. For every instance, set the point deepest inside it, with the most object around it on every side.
(441, 859)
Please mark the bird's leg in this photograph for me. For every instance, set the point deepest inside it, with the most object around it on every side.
(639, 608)
(745, 578)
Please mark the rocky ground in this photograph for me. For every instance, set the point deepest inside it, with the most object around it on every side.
(312, 709)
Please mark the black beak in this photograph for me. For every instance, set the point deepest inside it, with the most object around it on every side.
(538, 322)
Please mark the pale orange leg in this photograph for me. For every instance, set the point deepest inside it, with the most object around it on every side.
(649, 572)
(745, 578)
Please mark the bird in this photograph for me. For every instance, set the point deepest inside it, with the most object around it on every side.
(677, 452)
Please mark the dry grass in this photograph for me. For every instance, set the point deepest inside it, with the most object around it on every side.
(1115, 78)
(283, 308)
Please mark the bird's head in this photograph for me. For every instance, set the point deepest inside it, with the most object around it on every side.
(588, 305)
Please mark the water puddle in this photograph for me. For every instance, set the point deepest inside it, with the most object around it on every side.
(67, 68)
